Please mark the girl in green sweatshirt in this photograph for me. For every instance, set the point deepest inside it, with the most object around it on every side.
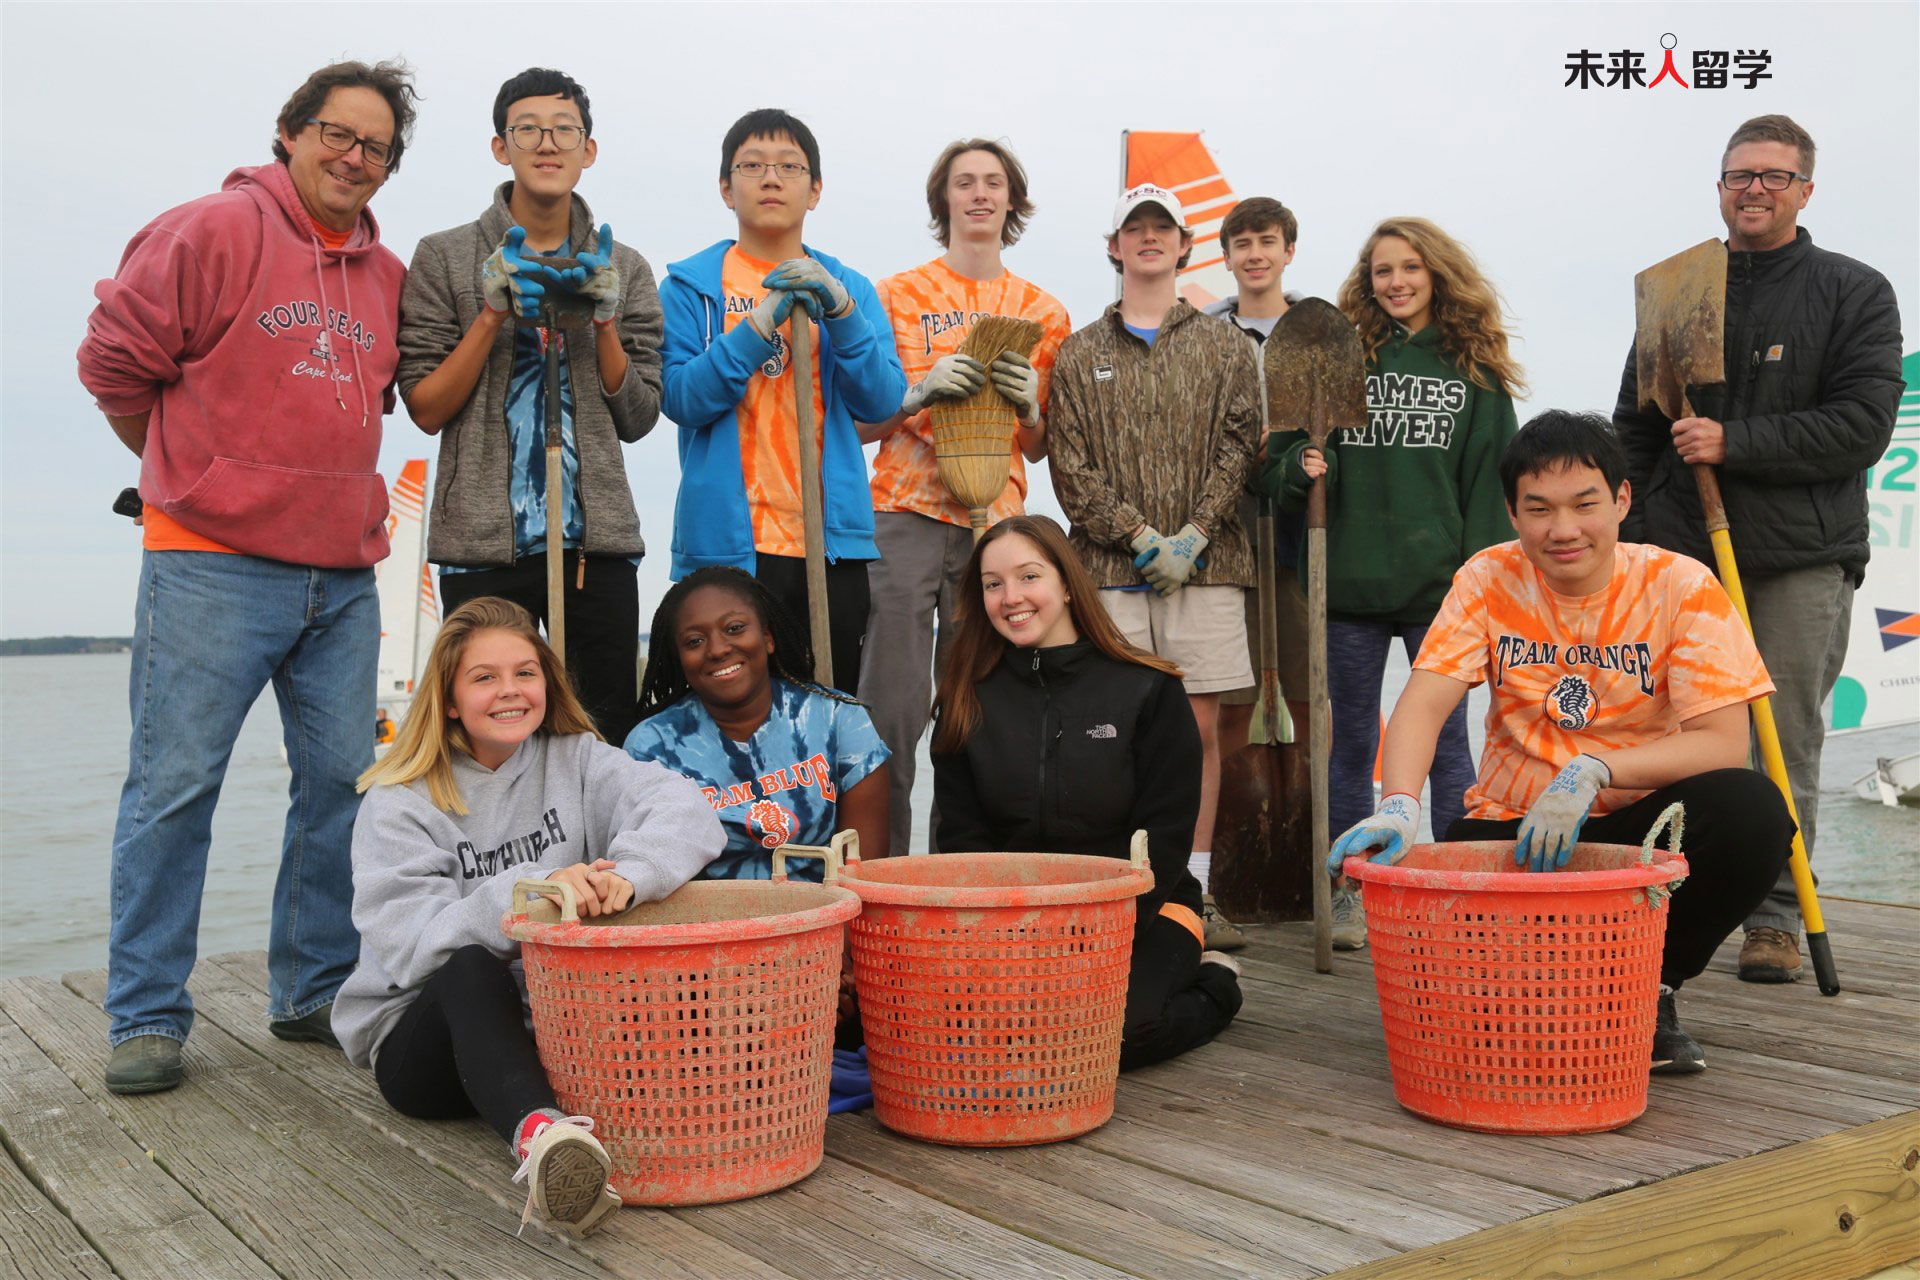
(1410, 496)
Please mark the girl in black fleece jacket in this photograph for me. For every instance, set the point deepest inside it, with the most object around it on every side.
(1053, 734)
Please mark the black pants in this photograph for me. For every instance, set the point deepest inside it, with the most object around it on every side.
(1738, 836)
(1174, 1003)
(603, 626)
(786, 578)
(463, 1047)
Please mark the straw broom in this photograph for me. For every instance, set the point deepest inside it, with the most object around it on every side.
(973, 438)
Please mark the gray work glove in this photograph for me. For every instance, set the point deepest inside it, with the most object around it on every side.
(953, 377)
(806, 274)
(1392, 830)
(1171, 562)
(1015, 378)
(771, 312)
(1552, 827)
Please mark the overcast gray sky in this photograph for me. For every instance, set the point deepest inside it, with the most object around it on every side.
(1348, 113)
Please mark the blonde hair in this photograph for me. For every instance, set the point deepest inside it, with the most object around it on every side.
(1465, 306)
(431, 734)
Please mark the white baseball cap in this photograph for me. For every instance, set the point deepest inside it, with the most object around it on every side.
(1147, 193)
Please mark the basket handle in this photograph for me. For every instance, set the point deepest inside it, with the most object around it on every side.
(569, 907)
(844, 849)
(1673, 818)
(1137, 849)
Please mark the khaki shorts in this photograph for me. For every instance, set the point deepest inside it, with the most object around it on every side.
(1203, 629)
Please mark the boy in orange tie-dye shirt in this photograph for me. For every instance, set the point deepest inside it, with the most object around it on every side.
(1620, 676)
(977, 200)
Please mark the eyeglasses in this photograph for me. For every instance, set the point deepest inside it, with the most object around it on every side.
(337, 137)
(1771, 179)
(566, 137)
(786, 171)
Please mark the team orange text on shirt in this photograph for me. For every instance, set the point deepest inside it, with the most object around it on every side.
(1571, 674)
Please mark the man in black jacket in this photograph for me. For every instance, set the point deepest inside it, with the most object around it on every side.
(1812, 384)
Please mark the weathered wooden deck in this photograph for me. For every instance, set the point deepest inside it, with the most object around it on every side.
(1277, 1151)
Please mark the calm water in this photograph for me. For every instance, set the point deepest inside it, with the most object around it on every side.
(63, 752)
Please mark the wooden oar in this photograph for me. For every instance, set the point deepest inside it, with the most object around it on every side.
(811, 515)
(1316, 380)
(1680, 321)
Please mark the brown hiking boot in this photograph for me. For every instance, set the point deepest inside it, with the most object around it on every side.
(1770, 955)
(1222, 933)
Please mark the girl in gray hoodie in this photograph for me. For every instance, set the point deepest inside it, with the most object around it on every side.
(497, 775)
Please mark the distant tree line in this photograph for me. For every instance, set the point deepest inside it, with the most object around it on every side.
(64, 644)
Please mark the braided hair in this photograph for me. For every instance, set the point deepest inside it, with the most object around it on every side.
(665, 682)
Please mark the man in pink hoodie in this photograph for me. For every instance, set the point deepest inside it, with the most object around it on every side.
(244, 350)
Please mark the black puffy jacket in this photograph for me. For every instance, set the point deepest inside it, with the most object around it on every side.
(1813, 382)
(1074, 753)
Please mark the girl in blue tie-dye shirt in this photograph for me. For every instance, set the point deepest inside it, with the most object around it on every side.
(729, 700)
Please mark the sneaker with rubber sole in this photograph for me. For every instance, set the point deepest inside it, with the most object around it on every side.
(566, 1171)
(316, 1027)
(1770, 955)
(1675, 1053)
(145, 1064)
(1222, 933)
(1349, 919)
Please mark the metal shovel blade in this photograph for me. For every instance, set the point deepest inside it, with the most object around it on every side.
(1680, 326)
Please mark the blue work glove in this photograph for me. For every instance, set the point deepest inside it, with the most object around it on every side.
(1015, 378)
(1169, 565)
(771, 312)
(510, 278)
(807, 274)
(1392, 830)
(1552, 827)
(597, 278)
(953, 377)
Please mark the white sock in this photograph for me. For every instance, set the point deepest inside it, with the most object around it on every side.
(1198, 864)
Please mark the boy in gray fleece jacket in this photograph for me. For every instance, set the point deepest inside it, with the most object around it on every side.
(473, 376)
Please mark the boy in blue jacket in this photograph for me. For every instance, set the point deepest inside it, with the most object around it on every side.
(730, 388)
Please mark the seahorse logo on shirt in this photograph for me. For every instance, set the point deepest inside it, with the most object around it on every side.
(776, 364)
(777, 821)
(1571, 702)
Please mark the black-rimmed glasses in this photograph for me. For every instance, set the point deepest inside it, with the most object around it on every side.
(786, 171)
(1771, 179)
(337, 137)
(566, 137)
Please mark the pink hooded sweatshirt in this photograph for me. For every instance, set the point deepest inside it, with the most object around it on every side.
(264, 362)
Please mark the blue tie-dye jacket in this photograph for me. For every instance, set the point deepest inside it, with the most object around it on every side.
(781, 786)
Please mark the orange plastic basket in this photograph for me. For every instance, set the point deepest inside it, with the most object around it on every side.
(1516, 1001)
(993, 990)
(697, 1031)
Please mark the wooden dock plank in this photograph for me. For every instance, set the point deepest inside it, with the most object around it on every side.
(1835, 1208)
(1277, 1151)
(639, 1243)
(314, 1189)
(139, 1219)
(809, 1229)
(1124, 1214)
(37, 1240)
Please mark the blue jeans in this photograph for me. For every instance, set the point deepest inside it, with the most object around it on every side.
(211, 630)
(1356, 663)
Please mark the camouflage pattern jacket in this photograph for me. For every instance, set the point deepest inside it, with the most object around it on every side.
(1165, 434)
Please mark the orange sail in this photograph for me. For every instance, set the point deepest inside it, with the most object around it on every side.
(1181, 163)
